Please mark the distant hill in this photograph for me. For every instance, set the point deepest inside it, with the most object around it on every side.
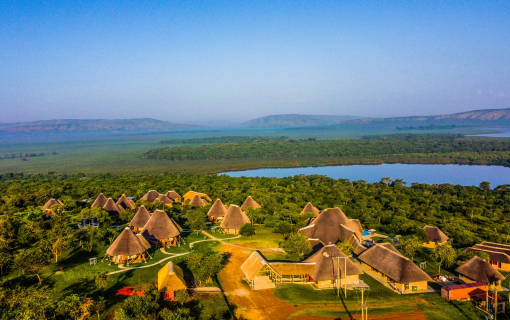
(92, 125)
(295, 120)
(488, 117)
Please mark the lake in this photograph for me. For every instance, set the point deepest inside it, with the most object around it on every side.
(423, 173)
(505, 133)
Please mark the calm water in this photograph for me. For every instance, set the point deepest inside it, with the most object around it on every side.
(422, 173)
(505, 133)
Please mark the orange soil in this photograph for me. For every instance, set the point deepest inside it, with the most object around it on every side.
(262, 304)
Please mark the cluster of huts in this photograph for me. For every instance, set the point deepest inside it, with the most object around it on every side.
(232, 217)
(329, 267)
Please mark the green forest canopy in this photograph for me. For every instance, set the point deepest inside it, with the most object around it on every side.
(429, 148)
(467, 214)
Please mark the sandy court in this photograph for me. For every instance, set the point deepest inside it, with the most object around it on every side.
(262, 304)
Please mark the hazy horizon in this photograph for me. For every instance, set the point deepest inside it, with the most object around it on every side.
(193, 62)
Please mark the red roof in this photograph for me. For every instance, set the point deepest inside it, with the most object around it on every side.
(463, 286)
(482, 296)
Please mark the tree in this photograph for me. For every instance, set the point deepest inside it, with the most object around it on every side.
(204, 266)
(179, 313)
(89, 236)
(32, 303)
(283, 227)
(58, 237)
(102, 281)
(485, 185)
(386, 180)
(444, 254)
(196, 220)
(296, 246)
(246, 230)
(345, 247)
(31, 262)
(409, 245)
(181, 296)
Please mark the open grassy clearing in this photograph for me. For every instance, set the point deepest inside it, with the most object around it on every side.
(262, 239)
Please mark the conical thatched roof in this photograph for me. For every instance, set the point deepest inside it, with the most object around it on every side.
(143, 241)
(99, 202)
(217, 209)
(176, 225)
(164, 199)
(150, 196)
(249, 202)
(160, 227)
(196, 201)
(171, 278)
(50, 203)
(387, 260)
(126, 244)
(478, 269)
(234, 218)
(435, 235)
(125, 203)
(310, 208)
(112, 207)
(172, 195)
(332, 226)
(327, 265)
(141, 217)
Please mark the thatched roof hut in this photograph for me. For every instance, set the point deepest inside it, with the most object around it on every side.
(234, 218)
(99, 202)
(332, 226)
(171, 278)
(217, 209)
(51, 202)
(127, 244)
(387, 260)
(141, 217)
(479, 270)
(497, 252)
(435, 234)
(191, 194)
(310, 208)
(164, 199)
(160, 227)
(172, 195)
(112, 208)
(249, 202)
(253, 264)
(150, 196)
(176, 225)
(197, 201)
(125, 203)
(327, 266)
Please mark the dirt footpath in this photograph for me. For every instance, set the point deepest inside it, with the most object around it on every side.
(262, 304)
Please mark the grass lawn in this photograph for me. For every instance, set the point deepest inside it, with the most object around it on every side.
(381, 301)
(264, 238)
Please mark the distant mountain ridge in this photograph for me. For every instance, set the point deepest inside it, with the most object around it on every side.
(295, 120)
(474, 117)
(92, 125)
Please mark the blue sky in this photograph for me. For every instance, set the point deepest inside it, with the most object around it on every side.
(198, 61)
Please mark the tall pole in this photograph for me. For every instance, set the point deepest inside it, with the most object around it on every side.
(495, 304)
(362, 304)
(345, 271)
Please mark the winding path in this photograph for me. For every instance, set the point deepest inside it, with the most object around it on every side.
(174, 255)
